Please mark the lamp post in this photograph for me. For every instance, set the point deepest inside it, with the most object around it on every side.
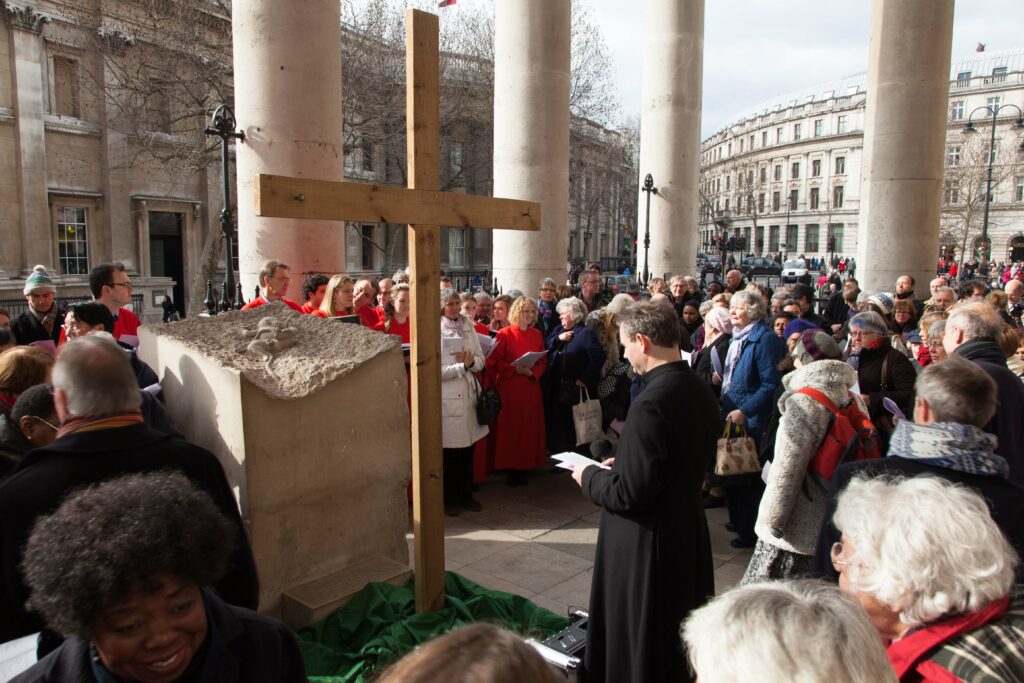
(986, 247)
(222, 124)
(650, 189)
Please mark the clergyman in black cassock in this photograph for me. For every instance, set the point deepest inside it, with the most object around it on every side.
(653, 563)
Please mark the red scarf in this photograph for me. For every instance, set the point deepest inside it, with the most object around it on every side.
(7, 403)
(75, 424)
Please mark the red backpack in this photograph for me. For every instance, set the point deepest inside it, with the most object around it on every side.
(851, 436)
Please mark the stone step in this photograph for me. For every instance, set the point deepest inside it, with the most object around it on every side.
(309, 602)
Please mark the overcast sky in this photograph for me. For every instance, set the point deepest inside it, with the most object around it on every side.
(757, 49)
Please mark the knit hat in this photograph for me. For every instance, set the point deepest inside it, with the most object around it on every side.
(798, 325)
(39, 281)
(816, 345)
(718, 318)
(883, 300)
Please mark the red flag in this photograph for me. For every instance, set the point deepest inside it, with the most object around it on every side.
(446, 3)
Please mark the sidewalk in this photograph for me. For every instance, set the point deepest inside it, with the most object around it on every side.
(538, 541)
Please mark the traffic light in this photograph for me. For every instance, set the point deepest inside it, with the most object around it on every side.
(832, 243)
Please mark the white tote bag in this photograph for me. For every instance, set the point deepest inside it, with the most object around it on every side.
(586, 416)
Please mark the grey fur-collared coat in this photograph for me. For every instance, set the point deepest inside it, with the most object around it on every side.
(793, 502)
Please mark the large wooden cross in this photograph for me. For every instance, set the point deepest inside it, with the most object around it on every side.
(424, 209)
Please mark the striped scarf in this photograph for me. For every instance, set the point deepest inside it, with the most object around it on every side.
(75, 424)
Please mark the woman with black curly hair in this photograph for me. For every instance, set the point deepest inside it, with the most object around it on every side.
(121, 569)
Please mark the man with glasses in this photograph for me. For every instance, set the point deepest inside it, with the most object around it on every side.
(111, 286)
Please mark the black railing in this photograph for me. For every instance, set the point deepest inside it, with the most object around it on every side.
(19, 305)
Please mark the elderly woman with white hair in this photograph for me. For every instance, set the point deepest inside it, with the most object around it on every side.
(784, 632)
(575, 359)
(935, 576)
(750, 379)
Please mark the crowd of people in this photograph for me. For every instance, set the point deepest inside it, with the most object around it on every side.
(122, 543)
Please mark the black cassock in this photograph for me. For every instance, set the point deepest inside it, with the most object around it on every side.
(653, 562)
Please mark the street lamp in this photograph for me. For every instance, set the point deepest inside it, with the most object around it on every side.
(222, 124)
(650, 189)
(969, 129)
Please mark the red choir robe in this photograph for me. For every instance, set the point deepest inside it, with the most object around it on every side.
(307, 308)
(518, 435)
(403, 330)
(368, 316)
(260, 301)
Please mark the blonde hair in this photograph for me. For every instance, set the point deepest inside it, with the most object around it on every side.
(516, 311)
(327, 305)
(23, 367)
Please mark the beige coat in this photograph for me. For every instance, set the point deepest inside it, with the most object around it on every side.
(459, 427)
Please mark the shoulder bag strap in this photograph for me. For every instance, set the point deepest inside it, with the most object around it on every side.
(819, 397)
(885, 372)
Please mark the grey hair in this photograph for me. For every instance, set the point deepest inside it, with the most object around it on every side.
(704, 307)
(514, 293)
(956, 297)
(937, 330)
(935, 551)
(975, 320)
(573, 307)
(870, 321)
(449, 294)
(757, 307)
(803, 631)
(957, 390)
(481, 296)
(97, 378)
(677, 278)
(547, 282)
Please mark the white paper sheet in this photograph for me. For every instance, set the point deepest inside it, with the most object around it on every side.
(686, 355)
(571, 461)
(450, 346)
(17, 655)
(487, 343)
(528, 359)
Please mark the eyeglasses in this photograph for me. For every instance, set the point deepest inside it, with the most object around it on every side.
(547, 289)
(126, 285)
(934, 344)
(860, 334)
(39, 419)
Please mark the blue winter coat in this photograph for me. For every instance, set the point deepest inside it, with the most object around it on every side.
(755, 378)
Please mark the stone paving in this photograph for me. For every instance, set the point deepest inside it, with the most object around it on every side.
(538, 541)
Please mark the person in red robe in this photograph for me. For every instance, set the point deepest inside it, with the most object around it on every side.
(396, 314)
(274, 281)
(519, 438)
(362, 302)
(337, 298)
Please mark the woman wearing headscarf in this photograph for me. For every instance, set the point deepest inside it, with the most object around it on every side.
(709, 362)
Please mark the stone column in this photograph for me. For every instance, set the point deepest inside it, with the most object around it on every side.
(122, 240)
(531, 136)
(36, 235)
(904, 141)
(287, 61)
(673, 43)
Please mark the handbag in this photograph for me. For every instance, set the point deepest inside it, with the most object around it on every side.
(736, 454)
(568, 392)
(586, 417)
(488, 402)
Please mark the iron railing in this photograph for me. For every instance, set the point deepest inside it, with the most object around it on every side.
(19, 305)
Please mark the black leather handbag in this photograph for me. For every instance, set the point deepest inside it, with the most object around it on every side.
(488, 403)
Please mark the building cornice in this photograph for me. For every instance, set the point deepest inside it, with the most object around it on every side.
(24, 17)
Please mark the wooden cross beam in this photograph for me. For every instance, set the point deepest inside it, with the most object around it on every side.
(424, 209)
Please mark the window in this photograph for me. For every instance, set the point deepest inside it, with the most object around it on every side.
(750, 178)
(728, 182)
(953, 155)
(814, 200)
(764, 174)
(726, 203)
(819, 128)
(759, 237)
(456, 247)
(72, 240)
(841, 124)
(367, 243)
(776, 199)
(956, 110)
(764, 138)
(66, 87)
(741, 145)
(835, 231)
(1019, 196)
(778, 171)
(367, 155)
(773, 238)
(729, 152)
(718, 184)
(951, 192)
(794, 170)
(760, 203)
(840, 165)
(797, 130)
(456, 157)
(993, 103)
(778, 135)
(746, 238)
(794, 195)
(811, 239)
(739, 204)
(963, 76)
(816, 168)
(792, 232)
(837, 197)
(751, 143)
(999, 70)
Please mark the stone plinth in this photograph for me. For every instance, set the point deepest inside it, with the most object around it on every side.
(317, 449)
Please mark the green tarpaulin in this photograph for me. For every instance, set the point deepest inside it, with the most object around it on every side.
(380, 624)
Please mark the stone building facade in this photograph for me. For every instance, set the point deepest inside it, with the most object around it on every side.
(787, 174)
(102, 154)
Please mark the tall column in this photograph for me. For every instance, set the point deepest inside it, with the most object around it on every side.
(904, 140)
(287, 61)
(531, 136)
(29, 61)
(122, 239)
(670, 133)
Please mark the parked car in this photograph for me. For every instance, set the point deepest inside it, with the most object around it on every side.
(796, 271)
(618, 283)
(760, 265)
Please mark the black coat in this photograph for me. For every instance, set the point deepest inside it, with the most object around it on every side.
(252, 649)
(27, 328)
(704, 366)
(1008, 422)
(899, 379)
(653, 563)
(1005, 501)
(580, 358)
(45, 475)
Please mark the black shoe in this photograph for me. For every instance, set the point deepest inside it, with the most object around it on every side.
(742, 543)
(472, 504)
(713, 501)
(516, 479)
(729, 526)
(451, 510)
